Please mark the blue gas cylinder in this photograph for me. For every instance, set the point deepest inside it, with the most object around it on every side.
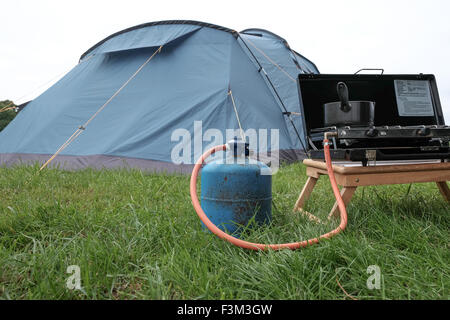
(234, 190)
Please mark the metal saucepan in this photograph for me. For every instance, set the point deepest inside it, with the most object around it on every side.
(348, 113)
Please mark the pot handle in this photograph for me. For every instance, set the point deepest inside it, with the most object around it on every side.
(342, 92)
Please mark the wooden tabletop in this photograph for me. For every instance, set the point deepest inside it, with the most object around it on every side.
(403, 167)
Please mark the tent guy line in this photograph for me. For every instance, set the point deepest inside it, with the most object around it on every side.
(83, 127)
(271, 61)
(230, 93)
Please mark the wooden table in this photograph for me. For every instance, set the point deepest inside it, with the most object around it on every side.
(351, 177)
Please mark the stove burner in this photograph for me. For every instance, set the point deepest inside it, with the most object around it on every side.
(363, 143)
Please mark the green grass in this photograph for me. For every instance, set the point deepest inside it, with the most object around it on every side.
(136, 236)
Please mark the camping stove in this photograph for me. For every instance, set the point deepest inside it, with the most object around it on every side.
(407, 124)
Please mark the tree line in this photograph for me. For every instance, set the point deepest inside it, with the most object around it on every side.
(6, 116)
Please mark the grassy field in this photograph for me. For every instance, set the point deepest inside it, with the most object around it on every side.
(136, 236)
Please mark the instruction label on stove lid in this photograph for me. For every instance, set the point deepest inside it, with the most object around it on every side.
(413, 98)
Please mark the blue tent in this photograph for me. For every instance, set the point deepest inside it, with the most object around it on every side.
(202, 72)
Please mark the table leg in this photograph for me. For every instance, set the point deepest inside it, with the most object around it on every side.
(306, 192)
(445, 191)
(347, 194)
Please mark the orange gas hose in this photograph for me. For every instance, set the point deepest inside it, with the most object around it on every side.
(258, 246)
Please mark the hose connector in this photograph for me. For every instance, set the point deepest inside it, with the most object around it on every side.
(238, 147)
(326, 140)
(330, 134)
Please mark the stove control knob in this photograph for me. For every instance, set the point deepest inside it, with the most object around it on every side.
(423, 132)
(372, 132)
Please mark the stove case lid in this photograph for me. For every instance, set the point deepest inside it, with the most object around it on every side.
(401, 99)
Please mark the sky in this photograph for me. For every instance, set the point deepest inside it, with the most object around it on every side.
(42, 40)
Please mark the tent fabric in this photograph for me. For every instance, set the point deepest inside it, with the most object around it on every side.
(189, 80)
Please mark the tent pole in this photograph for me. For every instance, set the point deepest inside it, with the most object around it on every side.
(276, 93)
